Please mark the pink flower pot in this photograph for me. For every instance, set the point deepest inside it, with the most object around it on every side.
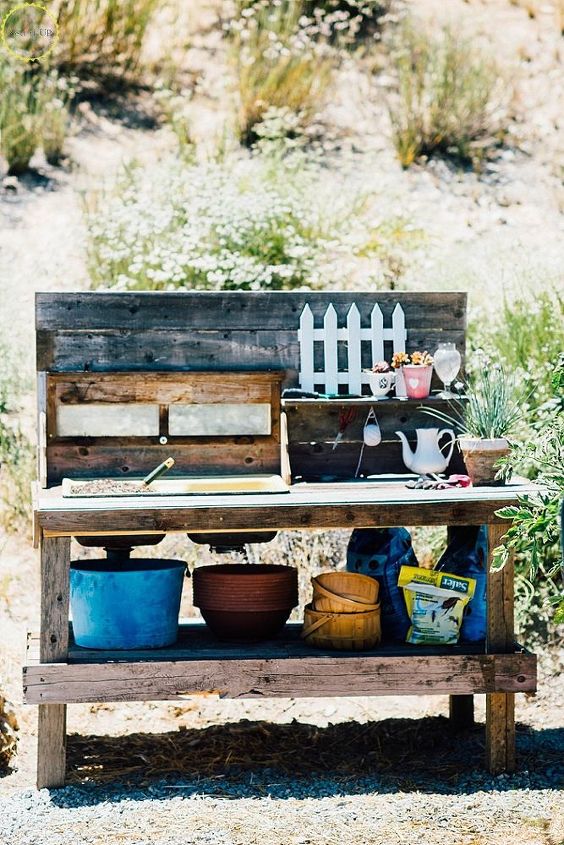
(417, 381)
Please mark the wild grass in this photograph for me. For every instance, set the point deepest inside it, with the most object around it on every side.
(528, 338)
(102, 36)
(20, 108)
(447, 98)
(55, 96)
(34, 112)
(279, 64)
(17, 456)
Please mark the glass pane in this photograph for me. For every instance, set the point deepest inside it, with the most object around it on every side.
(218, 419)
(94, 420)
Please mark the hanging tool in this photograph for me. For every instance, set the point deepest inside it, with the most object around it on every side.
(346, 417)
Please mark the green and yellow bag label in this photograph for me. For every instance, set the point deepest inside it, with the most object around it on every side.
(435, 603)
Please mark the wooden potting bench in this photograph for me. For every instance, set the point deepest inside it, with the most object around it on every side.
(141, 350)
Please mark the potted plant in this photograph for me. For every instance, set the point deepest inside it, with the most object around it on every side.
(381, 379)
(416, 372)
(486, 419)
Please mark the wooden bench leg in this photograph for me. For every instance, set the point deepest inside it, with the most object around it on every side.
(500, 732)
(500, 707)
(461, 711)
(51, 745)
(53, 648)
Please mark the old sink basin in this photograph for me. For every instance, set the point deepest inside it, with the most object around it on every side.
(196, 486)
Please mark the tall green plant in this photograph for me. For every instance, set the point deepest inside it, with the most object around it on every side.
(102, 36)
(535, 528)
(446, 98)
(20, 107)
(528, 337)
(278, 64)
(493, 405)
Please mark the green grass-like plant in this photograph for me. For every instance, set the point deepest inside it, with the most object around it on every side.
(493, 405)
(536, 526)
(102, 37)
(277, 65)
(20, 107)
(447, 98)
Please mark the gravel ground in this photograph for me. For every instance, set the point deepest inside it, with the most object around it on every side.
(204, 813)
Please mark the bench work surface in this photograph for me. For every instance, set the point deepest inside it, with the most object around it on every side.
(306, 506)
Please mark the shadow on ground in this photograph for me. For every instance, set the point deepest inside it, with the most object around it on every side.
(254, 759)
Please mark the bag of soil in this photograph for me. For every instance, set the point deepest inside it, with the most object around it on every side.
(467, 555)
(435, 602)
(381, 552)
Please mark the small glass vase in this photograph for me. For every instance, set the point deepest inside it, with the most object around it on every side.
(417, 380)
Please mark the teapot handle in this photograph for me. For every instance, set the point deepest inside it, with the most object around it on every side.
(452, 442)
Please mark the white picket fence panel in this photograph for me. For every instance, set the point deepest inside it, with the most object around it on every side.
(354, 336)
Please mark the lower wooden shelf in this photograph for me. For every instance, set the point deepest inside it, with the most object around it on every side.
(284, 668)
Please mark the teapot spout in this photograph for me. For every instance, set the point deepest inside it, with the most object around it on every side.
(406, 453)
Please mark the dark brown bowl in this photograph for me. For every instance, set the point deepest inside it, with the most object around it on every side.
(245, 626)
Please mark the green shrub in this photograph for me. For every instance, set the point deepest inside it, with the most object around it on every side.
(56, 94)
(527, 337)
(17, 465)
(447, 97)
(102, 36)
(243, 222)
(34, 112)
(279, 64)
(19, 115)
(534, 533)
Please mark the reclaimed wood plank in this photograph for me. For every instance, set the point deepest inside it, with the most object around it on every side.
(316, 460)
(196, 642)
(163, 350)
(51, 745)
(225, 456)
(164, 388)
(115, 516)
(500, 732)
(271, 678)
(312, 420)
(500, 708)
(189, 310)
(305, 506)
(150, 350)
(53, 646)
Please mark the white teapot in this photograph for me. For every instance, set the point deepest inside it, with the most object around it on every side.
(428, 456)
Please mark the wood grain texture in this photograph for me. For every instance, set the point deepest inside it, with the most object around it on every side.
(163, 350)
(55, 560)
(53, 646)
(500, 708)
(51, 745)
(190, 310)
(311, 420)
(307, 506)
(230, 456)
(500, 732)
(164, 388)
(500, 621)
(98, 457)
(195, 642)
(317, 461)
(305, 676)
